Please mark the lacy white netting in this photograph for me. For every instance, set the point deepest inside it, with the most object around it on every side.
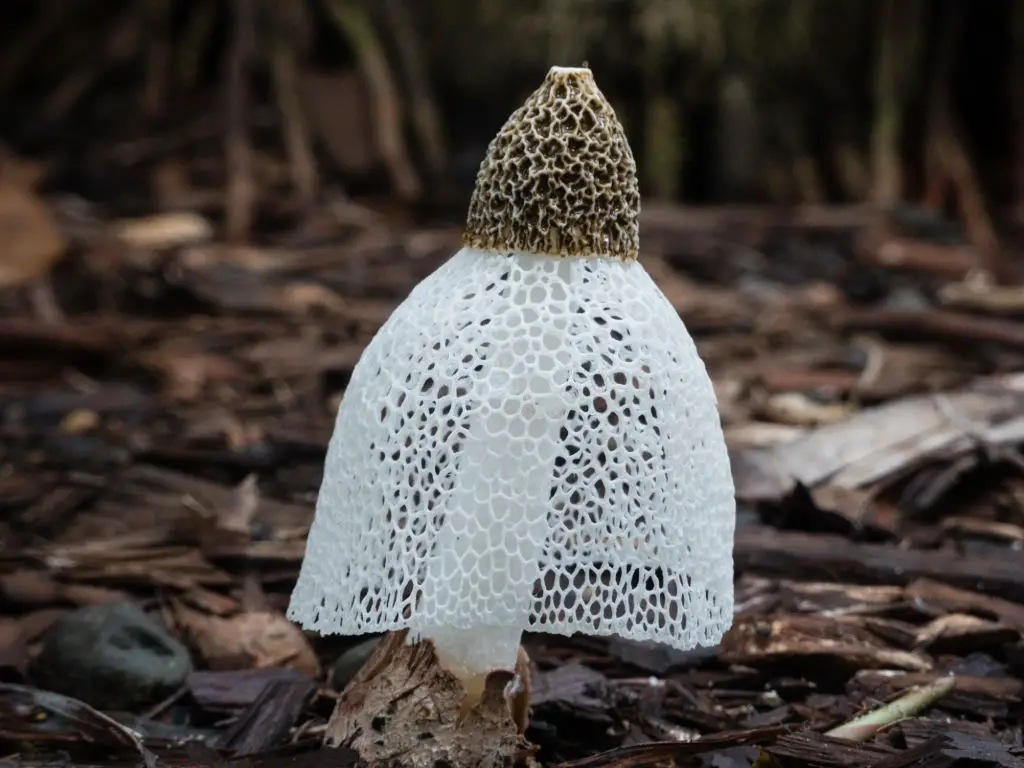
(528, 441)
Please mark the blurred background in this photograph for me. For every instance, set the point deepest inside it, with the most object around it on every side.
(916, 103)
(208, 207)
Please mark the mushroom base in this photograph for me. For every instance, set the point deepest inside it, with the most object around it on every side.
(403, 708)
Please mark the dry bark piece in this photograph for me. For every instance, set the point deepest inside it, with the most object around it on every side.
(784, 639)
(895, 370)
(808, 748)
(961, 633)
(834, 596)
(39, 588)
(268, 719)
(887, 440)
(956, 749)
(796, 555)
(986, 529)
(233, 691)
(950, 599)
(404, 708)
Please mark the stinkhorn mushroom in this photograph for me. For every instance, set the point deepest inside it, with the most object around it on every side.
(531, 440)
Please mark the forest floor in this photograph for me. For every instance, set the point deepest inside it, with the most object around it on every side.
(165, 403)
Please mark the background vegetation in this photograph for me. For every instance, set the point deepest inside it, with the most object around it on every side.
(784, 101)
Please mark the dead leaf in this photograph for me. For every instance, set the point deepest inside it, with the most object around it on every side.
(259, 639)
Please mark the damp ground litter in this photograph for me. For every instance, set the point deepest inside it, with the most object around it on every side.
(183, 298)
(162, 445)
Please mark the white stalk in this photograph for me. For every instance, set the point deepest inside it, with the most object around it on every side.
(509, 454)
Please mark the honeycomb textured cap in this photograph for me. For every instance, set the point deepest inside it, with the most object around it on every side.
(559, 178)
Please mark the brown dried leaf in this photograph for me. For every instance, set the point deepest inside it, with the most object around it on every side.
(31, 237)
(259, 639)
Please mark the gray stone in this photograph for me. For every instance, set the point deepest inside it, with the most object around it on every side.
(112, 656)
(351, 661)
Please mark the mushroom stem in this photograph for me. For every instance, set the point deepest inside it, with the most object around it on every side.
(470, 654)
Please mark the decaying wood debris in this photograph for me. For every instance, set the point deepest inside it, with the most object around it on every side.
(167, 453)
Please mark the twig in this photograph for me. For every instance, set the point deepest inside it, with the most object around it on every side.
(240, 192)
(158, 56)
(908, 705)
(899, 41)
(295, 128)
(946, 152)
(354, 23)
(425, 116)
(950, 152)
(948, 326)
(194, 38)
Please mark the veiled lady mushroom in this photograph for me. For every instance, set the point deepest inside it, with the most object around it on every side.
(531, 440)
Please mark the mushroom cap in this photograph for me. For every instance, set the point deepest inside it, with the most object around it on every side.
(559, 178)
(527, 441)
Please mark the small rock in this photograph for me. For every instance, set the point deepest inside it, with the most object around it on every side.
(112, 656)
(350, 662)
